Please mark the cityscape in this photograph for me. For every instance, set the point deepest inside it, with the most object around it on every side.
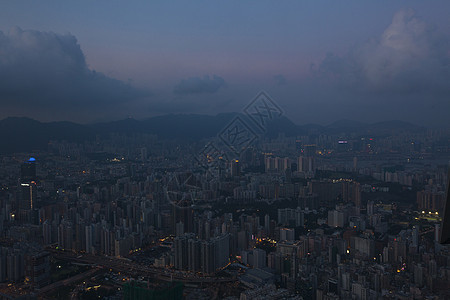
(341, 215)
(215, 156)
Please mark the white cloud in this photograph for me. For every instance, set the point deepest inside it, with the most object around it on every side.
(409, 56)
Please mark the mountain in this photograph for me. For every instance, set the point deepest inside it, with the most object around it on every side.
(379, 128)
(284, 126)
(189, 126)
(344, 123)
(22, 134)
(394, 125)
(25, 135)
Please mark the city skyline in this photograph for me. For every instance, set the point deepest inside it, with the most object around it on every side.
(333, 215)
(321, 62)
(224, 150)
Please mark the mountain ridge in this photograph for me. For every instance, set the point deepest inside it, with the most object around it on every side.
(25, 134)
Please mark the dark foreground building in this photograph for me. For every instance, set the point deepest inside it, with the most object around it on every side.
(139, 291)
(445, 233)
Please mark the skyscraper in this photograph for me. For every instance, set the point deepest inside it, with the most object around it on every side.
(445, 231)
(26, 201)
(28, 170)
(235, 168)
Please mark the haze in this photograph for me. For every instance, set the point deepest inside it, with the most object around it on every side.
(321, 61)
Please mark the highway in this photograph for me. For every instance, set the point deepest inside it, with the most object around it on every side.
(67, 281)
(132, 268)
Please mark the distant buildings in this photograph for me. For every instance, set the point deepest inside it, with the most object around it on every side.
(23, 263)
(312, 219)
(429, 200)
(207, 256)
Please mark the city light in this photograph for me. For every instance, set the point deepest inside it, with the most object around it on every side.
(144, 157)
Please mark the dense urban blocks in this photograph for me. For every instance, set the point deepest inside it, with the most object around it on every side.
(125, 216)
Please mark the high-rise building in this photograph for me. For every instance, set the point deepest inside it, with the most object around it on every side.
(235, 168)
(259, 258)
(277, 164)
(336, 218)
(355, 164)
(415, 236)
(290, 216)
(26, 200)
(180, 246)
(370, 206)
(222, 252)
(28, 170)
(37, 268)
(431, 200)
(305, 164)
(194, 255)
(267, 223)
(351, 192)
(445, 231)
(287, 234)
(197, 255)
(309, 150)
(143, 154)
(183, 213)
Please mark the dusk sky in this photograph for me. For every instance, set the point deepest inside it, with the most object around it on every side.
(321, 61)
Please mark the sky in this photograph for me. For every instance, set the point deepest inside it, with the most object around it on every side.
(320, 61)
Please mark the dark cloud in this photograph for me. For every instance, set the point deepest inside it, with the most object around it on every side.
(46, 73)
(280, 79)
(410, 56)
(197, 85)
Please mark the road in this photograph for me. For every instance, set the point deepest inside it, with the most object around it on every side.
(130, 267)
(68, 281)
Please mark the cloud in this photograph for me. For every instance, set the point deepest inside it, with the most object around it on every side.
(409, 56)
(46, 73)
(403, 73)
(280, 79)
(197, 85)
